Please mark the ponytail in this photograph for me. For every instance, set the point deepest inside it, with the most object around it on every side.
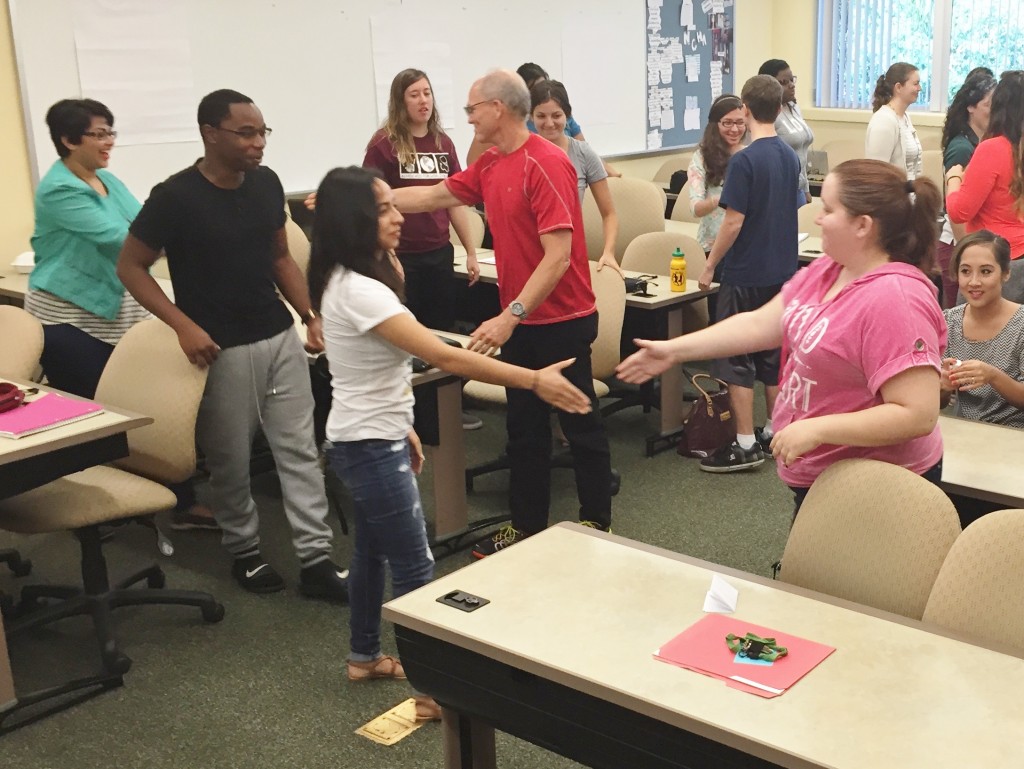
(885, 86)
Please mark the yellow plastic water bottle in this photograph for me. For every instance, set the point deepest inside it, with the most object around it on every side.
(677, 270)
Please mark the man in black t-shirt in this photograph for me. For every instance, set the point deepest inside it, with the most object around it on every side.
(221, 224)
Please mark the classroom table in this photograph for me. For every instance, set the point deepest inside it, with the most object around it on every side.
(32, 461)
(666, 303)
(982, 461)
(562, 657)
(809, 247)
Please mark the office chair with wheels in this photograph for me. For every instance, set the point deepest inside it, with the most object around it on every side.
(871, 532)
(146, 374)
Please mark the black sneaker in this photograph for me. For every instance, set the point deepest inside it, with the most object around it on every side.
(256, 575)
(732, 458)
(326, 580)
(764, 441)
(507, 537)
(596, 525)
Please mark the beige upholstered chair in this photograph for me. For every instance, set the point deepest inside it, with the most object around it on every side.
(610, 296)
(873, 533)
(671, 165)
(147, 374)
(806, 216)
(476, 228)
(21, 344)
(298, 244)
(681, 210)
(640, 206)
(977, 591)
(160, 269)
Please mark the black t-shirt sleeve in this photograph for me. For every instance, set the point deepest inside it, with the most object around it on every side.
(158, 219)
(277, 190)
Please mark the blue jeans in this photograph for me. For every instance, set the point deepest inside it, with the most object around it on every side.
(389, 529)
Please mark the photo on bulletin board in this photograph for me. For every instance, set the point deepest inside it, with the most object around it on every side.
(689, 65)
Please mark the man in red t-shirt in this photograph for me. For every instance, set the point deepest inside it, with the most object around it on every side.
(528, 186)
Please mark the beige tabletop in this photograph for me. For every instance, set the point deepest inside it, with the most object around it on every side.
(982, 460)
(587, 610)
(809, 247)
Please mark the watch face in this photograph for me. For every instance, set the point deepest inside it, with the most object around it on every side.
(517, 309)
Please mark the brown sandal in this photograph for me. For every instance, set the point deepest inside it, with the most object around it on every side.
(384, 666)
(427, 708)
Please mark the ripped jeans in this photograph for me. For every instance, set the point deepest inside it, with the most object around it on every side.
(389, 529)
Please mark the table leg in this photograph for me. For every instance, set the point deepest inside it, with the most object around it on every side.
(468, 744)
(7, 696)
(671, 383)
(447, 462)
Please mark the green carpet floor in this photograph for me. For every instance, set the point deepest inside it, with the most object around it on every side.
(266, 687)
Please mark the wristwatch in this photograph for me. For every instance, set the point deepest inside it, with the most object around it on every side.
(518, 309)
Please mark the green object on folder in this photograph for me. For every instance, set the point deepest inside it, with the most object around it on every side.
(755, 647)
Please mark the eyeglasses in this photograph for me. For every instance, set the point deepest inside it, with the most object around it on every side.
(732, 123)
(470, 107)
(101, 135)
(248, 133)
(791, 81)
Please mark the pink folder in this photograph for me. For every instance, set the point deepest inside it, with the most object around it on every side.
(43, 413)
(702, 648)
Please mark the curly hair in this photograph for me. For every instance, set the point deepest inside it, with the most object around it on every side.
(712, 146)
(971, 93)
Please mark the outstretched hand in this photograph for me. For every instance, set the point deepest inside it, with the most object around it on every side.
(552, 387)
(652, 359)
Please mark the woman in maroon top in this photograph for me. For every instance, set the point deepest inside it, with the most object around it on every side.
(412, 149)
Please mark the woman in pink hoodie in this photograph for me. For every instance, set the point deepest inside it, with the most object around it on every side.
(861, 332)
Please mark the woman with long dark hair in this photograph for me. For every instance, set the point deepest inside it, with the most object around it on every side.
(863, 332)
(356, 285)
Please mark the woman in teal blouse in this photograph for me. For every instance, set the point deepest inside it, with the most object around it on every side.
(82, 213)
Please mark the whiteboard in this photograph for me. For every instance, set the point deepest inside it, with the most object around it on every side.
(308, 65)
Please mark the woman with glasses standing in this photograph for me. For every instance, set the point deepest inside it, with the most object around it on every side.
(82, 213)
(891, 135)
(790, 125)
(723, 138)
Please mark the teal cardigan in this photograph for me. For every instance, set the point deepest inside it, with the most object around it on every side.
(77, 239)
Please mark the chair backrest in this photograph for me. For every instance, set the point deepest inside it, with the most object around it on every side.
(671, 165)
(21, 343)
(610, 293)
(640, 207)
(476, 228)
(149, 374)
(806, 216)
(652, 252)
(841, 150)
(931, 166)
(160, 269)
(298, 244)
(978, 589)
(681, 210)
(871, 532)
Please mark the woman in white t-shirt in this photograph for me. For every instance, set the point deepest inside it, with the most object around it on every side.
(369, 335)
(891, 136)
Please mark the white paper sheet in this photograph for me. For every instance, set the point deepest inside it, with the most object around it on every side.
(721, 597)
(136, 59)
(691, 114)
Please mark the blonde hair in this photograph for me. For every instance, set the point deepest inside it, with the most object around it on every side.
(396, 126)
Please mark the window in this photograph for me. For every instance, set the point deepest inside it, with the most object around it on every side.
(945, 39)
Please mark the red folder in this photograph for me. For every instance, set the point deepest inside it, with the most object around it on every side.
(43, 413)
(702, 648)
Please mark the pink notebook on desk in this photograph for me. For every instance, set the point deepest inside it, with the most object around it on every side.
(44, 413)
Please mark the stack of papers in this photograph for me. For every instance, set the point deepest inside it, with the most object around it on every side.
(702, 648)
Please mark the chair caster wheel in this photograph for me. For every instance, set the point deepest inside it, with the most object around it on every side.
(117, 663)
(213, 613)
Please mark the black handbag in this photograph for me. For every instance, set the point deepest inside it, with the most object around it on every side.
(709, 425)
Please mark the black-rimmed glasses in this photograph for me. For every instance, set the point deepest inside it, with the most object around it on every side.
(470, 107)
(248, 133)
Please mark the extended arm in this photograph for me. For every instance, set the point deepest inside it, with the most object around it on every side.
(460, 222)
(405, 332)
(727, 234)
(743, 333)
(412, 200)
(609, 224)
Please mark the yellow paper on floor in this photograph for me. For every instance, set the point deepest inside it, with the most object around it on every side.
(394, 725)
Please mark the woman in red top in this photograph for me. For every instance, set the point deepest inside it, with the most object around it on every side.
(989, 194)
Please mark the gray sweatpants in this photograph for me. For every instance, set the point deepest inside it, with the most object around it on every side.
(264, 384)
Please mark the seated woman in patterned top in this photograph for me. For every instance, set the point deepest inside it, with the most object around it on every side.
(984, 365)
